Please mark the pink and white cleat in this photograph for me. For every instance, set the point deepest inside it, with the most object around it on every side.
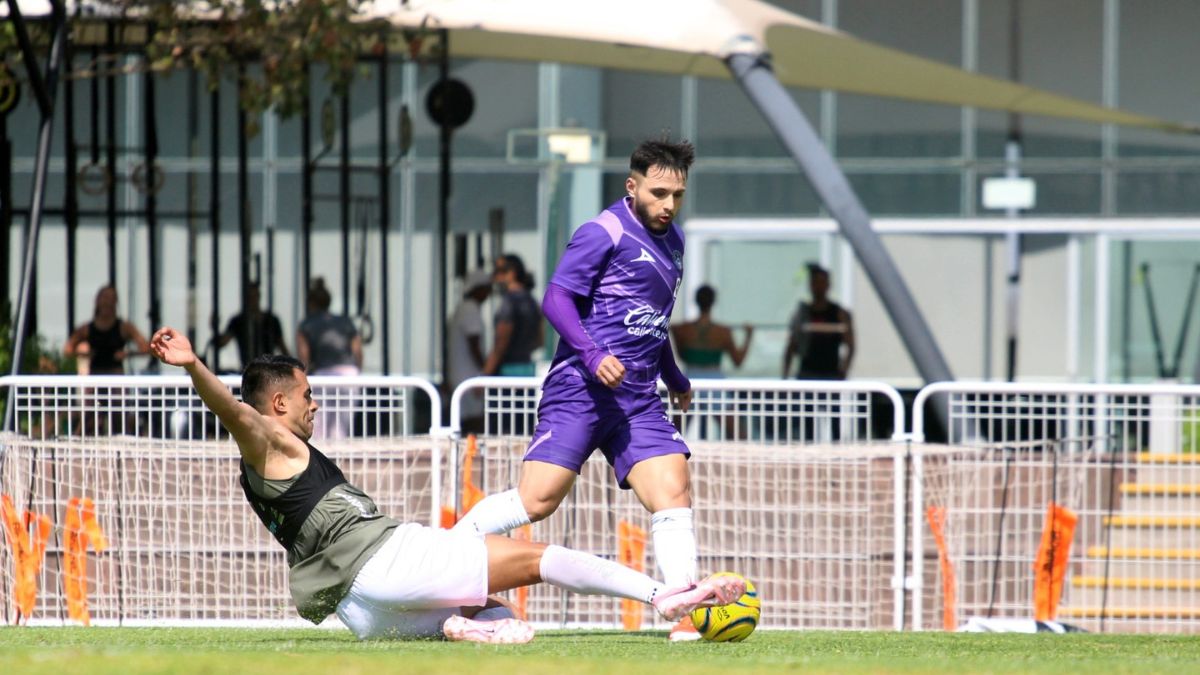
(676, 603)
(499, 632)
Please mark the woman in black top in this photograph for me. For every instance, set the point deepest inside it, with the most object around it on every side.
(104, 338)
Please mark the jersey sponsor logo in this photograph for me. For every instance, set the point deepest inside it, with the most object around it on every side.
(355, 502)
(645, 257)
(645, 320)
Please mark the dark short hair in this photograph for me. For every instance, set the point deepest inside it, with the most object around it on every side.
(513, 262)
(265, 375)
(816, 270)
(676, 157)
(706, 297)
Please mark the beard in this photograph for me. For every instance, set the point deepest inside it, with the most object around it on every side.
(643, 215)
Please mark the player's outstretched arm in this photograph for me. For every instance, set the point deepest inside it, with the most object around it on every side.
(245, 423)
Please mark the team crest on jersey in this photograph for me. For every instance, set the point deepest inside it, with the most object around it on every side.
(677, 257)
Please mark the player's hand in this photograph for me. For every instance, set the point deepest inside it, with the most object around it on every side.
(749, 330)
(172, 348)
(681, 400)
(611, 371)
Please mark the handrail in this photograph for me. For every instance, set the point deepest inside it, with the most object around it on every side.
(929, 390)
(704, 384)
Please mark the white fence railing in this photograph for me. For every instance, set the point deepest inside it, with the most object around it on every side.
(819, 491)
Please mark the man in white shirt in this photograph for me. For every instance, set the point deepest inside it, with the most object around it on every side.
(466, 345)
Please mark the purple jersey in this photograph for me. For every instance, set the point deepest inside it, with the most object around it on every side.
(628, 278)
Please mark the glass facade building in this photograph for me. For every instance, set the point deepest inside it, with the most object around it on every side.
(1117, 210)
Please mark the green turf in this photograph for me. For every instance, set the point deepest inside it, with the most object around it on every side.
(59, 651)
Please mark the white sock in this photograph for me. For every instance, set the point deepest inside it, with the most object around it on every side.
(674, 546)
(495, 514)
(586, 574)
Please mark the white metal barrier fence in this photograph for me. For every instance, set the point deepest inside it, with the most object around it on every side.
(1124, 463)
(162, 475)
(797, 485)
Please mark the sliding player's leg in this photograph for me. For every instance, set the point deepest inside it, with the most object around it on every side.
(513, 563)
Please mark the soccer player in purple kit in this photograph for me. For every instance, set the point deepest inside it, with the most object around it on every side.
(610, 300)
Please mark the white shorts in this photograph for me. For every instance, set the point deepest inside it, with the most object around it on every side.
(418, 578)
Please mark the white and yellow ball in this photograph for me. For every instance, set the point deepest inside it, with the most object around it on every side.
(730, 623)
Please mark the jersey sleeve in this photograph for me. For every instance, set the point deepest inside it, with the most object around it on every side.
(582, 263)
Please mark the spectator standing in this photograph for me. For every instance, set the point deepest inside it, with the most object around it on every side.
(257, 332)
(466, 346)
(518, 321)
(100, 345)
(329, 344)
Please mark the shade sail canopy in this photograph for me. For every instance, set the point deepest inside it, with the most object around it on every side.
(692, 37)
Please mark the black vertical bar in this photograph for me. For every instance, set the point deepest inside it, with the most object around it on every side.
(150, 132)
(193, 130)
(306, 187)
(94, 113)
(6, 214)
(214, 215)
(385, 174)
(243, 199)
(70, 194)
(444, 175)
(344, 205)
(110, 130)
(111, 153)
(38, 195)
(1126, 310)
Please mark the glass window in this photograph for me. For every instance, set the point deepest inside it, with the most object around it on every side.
(1158, 192)
(871, 126)
(1061, 50)
(713, 193)
(506, 98)
(474, 195)
(637, 106)
(908, 193)
(728, 124)
(1162, 270)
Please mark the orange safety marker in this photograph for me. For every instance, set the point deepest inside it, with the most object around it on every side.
(471, 494)
(936, 515)
(1053, 555)
(28, 553)
(631, 552)
(81, 529)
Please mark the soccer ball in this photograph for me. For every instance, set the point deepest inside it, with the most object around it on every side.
(730, 623)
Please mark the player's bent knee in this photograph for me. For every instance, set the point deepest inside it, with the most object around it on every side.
(540, 507)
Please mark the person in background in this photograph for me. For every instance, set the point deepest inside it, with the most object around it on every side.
(702, 343)
(329, 344)
(518, 322)
(257, 332)
(821, 335)
(466, 346)
(100, 345)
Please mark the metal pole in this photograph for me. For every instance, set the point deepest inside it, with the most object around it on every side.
(70, 191)
(344, 203)
(243, 204)
(1012, 157)
(150, 132)
(110, 130)
(214, 216)
(193, 128)
(385, 174)
(306, 188)
(443, 224)
(41, 168)
(6, 214)
(754, 74)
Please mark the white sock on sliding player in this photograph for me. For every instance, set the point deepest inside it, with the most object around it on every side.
(586, 574)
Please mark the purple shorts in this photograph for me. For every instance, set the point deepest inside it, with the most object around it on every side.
(577, 415)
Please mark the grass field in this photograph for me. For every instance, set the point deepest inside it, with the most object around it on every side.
(62, 651)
